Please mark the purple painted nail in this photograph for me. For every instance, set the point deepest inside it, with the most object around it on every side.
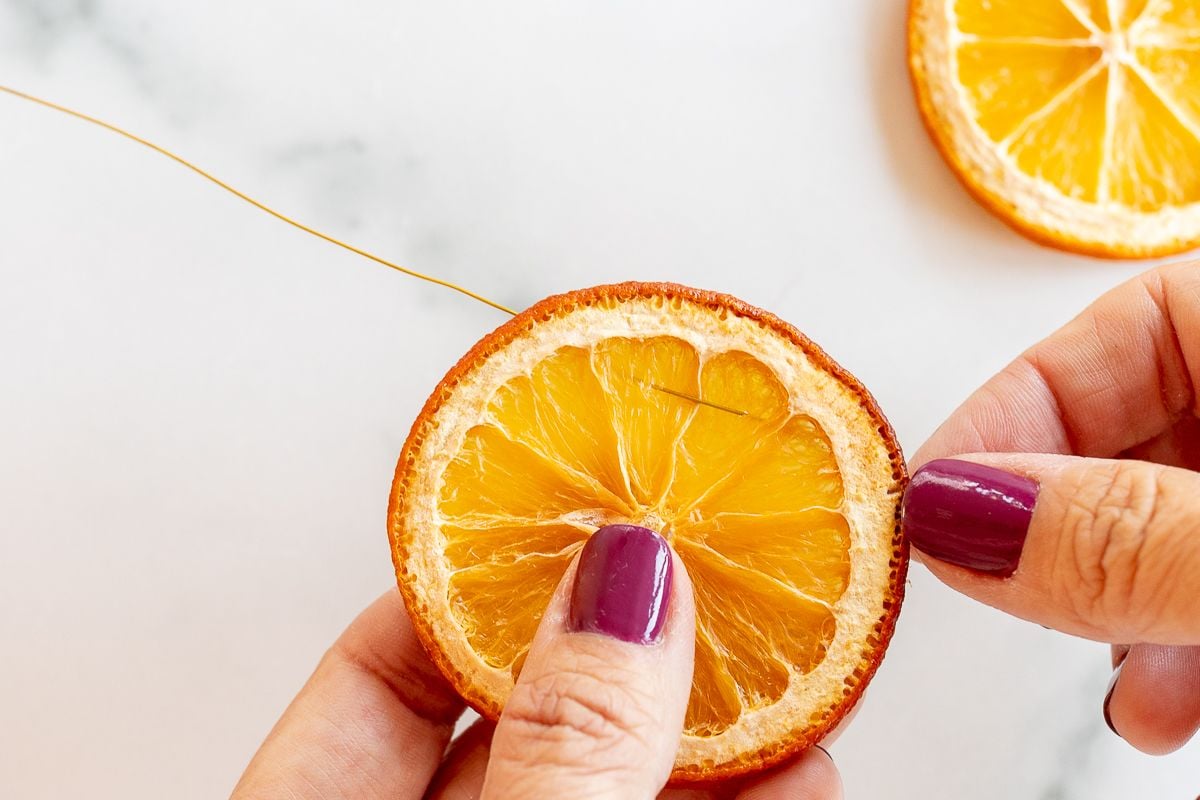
(970, 515)
(623, 584)
(1108, 693)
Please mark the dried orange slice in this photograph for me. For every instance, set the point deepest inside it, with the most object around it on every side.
(768, 468)
(1075, 121)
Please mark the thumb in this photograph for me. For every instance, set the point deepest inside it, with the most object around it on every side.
(1109, 550)
(598, 709)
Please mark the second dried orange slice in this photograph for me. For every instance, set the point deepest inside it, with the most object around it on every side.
(1077, 121)
(767, 467)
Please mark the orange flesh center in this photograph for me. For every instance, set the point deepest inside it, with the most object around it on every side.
(1100, 98)
(751, 502)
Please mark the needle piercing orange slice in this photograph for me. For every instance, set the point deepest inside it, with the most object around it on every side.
(1075, 121)
(767, 467)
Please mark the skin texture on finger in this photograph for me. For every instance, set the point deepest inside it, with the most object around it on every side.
(593, 716)
(1155, 703)
(1177, 446)
(460, 776)
(1119, 375)
(812, 776)
(371, 723)
(1112, 551)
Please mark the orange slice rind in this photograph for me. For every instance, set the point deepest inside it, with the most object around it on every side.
(769, 469)
(1077, 122)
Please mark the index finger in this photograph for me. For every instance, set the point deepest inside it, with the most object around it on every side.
(371, 723)
(1115, 377)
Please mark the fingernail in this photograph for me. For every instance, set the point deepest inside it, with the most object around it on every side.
(970, 515)
(1108, 694)
(622, 585)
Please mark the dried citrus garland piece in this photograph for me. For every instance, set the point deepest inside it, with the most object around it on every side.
(1076, 121)
(769, 469)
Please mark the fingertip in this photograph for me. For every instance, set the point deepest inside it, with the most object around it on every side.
(811, 776)
(600, 701)
(1119, 652)
(461, 774)
(1154, 703)
(628, 583)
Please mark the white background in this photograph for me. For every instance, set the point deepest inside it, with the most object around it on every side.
(200, 408)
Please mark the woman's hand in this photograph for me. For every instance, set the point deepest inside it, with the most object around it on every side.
(1064, 492)
(597, 712)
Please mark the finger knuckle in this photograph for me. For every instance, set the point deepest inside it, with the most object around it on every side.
(1110, 519)
(579, 712)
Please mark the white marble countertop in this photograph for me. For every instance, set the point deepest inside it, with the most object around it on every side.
(201, 408)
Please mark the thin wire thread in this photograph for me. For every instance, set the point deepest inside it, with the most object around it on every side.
(685, 396)
(247, 198)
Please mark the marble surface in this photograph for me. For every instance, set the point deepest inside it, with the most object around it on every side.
(201, 408)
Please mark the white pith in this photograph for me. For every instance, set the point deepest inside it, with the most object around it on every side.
(862, 454)
(1033, 203)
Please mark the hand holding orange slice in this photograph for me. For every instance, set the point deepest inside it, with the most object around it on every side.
(768, 468)
(1075, 121)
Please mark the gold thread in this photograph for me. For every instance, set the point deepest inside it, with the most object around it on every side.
(241, 195)
(709, 403)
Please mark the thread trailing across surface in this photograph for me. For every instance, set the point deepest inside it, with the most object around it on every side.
(257, 204)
